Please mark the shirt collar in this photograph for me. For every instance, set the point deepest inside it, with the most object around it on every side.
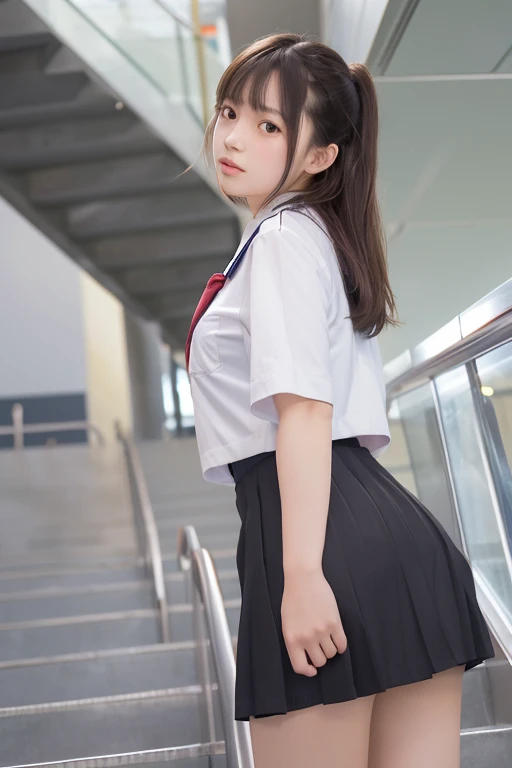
(263, 213)
(273, 206)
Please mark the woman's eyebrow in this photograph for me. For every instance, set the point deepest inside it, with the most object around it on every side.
(273, 111)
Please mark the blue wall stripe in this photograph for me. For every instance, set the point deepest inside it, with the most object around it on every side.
(44, 408)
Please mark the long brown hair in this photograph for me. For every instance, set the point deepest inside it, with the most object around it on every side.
(341, 102)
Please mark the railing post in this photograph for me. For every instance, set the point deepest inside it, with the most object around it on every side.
(17, 422)
(201, 59)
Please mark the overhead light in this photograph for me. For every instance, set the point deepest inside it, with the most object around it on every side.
(487, 391)
(119, 105)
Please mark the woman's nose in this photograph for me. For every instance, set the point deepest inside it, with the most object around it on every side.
(234, 138)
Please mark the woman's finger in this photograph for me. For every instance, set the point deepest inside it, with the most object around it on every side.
(299, 661)
(328, 647)
(339, 638)
(316, 654)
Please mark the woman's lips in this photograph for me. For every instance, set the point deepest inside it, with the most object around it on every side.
(229, 169)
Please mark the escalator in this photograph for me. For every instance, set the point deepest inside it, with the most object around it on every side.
(449, 404)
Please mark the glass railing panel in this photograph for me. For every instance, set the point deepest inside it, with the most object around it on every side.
(493, 374)
(396, 459)
(424, 450)
(480, 516)
(495, 379)
(215, 66)
(192, 70)
(158, 38)
(146, 33)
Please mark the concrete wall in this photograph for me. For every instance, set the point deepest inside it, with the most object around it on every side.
(145, 361)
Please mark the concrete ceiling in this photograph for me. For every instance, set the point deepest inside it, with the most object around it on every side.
(445, 176)
(459, 36)
(248, 21)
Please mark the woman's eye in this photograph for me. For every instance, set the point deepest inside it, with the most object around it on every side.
(273, 126)
(226, 106)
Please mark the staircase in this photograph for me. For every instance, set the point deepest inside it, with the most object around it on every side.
(98, 182)
(83, 673)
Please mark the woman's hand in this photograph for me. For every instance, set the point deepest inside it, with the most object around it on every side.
(311, 621)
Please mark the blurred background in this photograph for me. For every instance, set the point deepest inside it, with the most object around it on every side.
(119, 596)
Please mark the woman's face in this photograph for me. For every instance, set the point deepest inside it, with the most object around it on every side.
(256, 142)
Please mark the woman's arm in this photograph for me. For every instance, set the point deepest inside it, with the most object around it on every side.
(303, 455)
(309, 611)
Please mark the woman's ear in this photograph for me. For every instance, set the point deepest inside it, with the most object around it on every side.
(321, 158)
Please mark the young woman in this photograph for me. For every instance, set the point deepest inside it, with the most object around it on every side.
(359, 614)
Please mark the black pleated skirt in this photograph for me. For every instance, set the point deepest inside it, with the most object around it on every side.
(405, 592)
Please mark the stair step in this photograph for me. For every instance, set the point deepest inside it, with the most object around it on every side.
(74, 141)
(62, 601)
(119, 177)
(31, 59)
(204, 755)
(173, 278)
(23, 41)
(106, 218)
(101, 729)
(104, 653)
(142, 669)
(213, 239)
(67, 554)
(42, 540)
(228, 580)
(24, 641)
(224, 559)
(208, 540)
(84, 583)
(477, 707)
(203, 516)
(92, 632)
(54, 577)
(36, 89)
(91, 101)
(488, 746)
(93, 602)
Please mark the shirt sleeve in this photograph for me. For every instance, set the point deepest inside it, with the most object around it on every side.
(288, 317)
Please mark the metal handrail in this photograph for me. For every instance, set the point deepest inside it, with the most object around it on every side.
(482, 327)
(153, 553)
(19, 429)
(206, 591)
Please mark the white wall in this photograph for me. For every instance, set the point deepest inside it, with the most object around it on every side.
(42, 347)
(61, 333)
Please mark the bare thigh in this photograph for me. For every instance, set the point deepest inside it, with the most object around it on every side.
(418, 724)
(323, 736)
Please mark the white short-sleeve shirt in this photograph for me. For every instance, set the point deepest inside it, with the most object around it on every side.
(281, 324)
